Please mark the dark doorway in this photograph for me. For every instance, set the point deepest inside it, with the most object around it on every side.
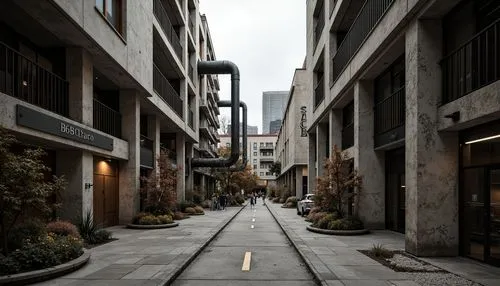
(395, 194)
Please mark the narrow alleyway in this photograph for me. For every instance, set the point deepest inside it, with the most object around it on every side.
(273, 261)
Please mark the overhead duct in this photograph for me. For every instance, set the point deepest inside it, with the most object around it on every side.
(244, 135)
(224, 67)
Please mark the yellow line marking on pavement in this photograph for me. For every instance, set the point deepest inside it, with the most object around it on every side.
(246, 261)
(253, 219)
(252, 226)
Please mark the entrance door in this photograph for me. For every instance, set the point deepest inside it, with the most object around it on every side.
(105, 200)
(481, 231)
(395, 195)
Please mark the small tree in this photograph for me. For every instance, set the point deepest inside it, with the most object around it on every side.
(159, 188)
(275, 168)
(23, 185)
(338, 183)
(233, 181)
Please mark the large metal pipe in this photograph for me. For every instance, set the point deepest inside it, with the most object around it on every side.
(224, 67)
(244, 135)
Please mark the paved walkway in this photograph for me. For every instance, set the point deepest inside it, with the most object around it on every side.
(273, 261)
(148, 257)
(336, 259)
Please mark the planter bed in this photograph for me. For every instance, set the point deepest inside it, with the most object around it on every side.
(188, 214)
(152, 226)
(47, 273)
(337, 232)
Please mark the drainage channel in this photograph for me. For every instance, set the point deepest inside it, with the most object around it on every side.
(251, 250)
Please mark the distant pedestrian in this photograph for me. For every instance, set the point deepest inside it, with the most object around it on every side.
(252, 200)
(263, 197)
(223, 201)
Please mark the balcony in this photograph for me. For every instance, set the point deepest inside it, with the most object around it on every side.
(319, 92)
(332, 6)
(165, 90)
(320, 22)
(107, 119)
(348, 136)
(267, 147)
(390, 118)
(167, 27)
(146, 151)
(191, 73)
(191, 27)
(23, 79)
(371, 12)
(473, 65)
(191, 119)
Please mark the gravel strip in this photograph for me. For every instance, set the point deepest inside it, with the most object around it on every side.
(412, 264)
(438, 279)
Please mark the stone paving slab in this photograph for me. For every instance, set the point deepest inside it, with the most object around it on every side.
(148, 257)
(338, 255)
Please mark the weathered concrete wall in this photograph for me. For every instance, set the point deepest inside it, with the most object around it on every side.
(180, 143)
(369, 163)
(475, 108)
(78, 169)
(431, 157)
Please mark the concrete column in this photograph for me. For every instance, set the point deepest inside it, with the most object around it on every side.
(78, 169)
(80, 72)
(431, 157)
(370, 164)
(129, 170)
(181, 159)
(189, 174)
(203, 186)
(322, 133)
(335, 128)
(154, 134)
(311, 178)
(298, 181)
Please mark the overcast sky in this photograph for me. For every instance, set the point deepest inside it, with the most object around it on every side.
(264, 38)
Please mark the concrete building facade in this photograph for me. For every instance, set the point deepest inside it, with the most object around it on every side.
(260, 154)
(251, 129)
(103, 86)
(406, 88)
(273, 105)
(293, 139)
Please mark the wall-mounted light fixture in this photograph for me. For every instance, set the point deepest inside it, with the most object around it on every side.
(455, 116)
(88, 185)
(483, 139)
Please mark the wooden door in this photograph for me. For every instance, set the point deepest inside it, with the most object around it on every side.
(98, 199)
(110, 200)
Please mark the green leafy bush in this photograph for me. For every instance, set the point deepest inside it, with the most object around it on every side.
(149, 220)
(185, 204)
(239, 199)
(165, 219)
(88, 228)
(46, 251)
(350, 223)
(314, 217)
(63, 228)
(276, 200)
(158, 210)
(190, 210)
(180, 216)
(325, 221)
(199, 210)
(137, 217)
(378, 250)
(103, 235)
(31, 229)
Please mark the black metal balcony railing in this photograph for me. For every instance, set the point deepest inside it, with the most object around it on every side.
(191, 119)
(107, 119)
(390, 113)
(320, 23)
(165, 90)
(319, 92)
(165, 23)
(25, 80)
(371, 12)
(146, 150)
(348, 136)
(473, 65)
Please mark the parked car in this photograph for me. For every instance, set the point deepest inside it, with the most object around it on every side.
(305, 204)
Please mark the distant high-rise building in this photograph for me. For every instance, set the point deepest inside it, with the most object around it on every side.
(251, 130)
(274, 126)
(273, 106)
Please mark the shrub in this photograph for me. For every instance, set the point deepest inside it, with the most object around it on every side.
(137, 217)
(276, 200)
(190, 210)
(103, 235)
(324, 222)
(314, 217)
(378, 250)
(47, 251)
(32, 229)
(239, 199)
(350, 223)
(198, 210)
(87, 228)
(281, 201)
(149, 220)
(291, 202)
(185, 204)
(158, 210)
(165, 219)
(206, 204)
(63, 228)
(180, 216)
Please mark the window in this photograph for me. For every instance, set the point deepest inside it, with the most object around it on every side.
(255, 145)
(262, 173)
(255, 153)
(255, 160)
(112, 11)
(255, 167)
(228, 144)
